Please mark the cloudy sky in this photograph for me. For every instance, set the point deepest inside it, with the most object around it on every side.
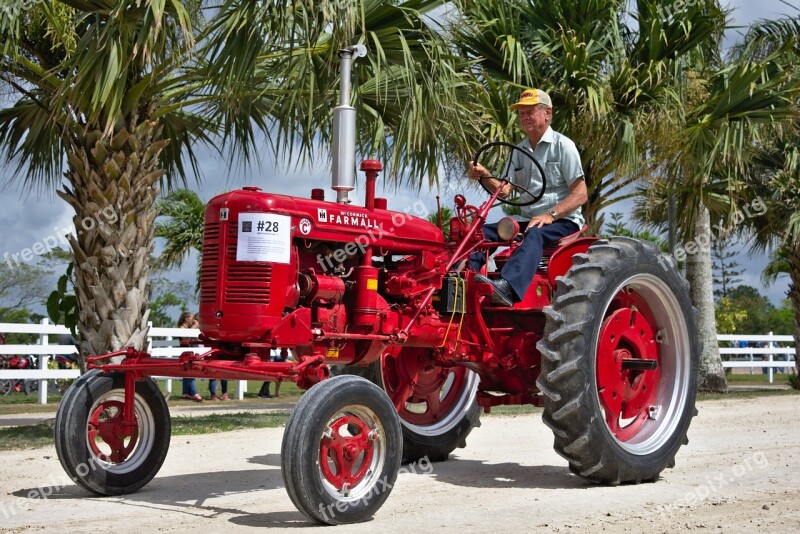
(28, 218)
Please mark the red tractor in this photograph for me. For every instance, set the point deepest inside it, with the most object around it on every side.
(605, 340)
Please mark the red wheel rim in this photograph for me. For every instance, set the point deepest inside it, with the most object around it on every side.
(628, 364)
(346, 452)
(422, 392)
(106, 423)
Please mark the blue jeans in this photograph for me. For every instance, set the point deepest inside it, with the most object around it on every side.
(189, 387)
(212, 386)
(521, 266)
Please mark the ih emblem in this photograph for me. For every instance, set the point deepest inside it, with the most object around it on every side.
(322, 215)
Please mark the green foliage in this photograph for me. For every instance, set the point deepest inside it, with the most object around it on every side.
(447, 214)
(21, 316)
(619, 227)
(180, 223)
(166, 295)
(747, 311)
(726, 269)
(613, 69)
(22, 284)
(728, 316)
(781, 319)
(62, 305)
(794, 381)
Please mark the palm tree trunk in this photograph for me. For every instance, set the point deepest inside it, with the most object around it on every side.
(113, 185)
(794, 298)
(698, 272)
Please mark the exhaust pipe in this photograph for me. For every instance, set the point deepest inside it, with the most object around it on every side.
(344, 128)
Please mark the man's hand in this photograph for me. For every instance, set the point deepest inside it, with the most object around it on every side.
(478, 171)
(540, 220)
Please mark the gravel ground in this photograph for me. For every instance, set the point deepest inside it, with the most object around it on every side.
(738, 474)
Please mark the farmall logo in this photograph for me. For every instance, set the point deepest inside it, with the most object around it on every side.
(347, 218)
(352, 218)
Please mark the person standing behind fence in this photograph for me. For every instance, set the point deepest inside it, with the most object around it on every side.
(264, 392)
(187, 320)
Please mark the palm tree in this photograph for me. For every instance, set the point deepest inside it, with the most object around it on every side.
(182, 212)
(729, 113)
(120, 92)
(611, 83)
(775, 177)
(776, 183)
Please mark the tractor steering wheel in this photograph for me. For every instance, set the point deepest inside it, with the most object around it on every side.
(519, 188)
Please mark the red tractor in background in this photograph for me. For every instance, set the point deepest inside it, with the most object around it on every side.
(605, 340)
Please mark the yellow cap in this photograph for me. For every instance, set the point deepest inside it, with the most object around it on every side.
(531, 97)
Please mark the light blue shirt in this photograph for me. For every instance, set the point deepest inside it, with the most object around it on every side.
(558, 156)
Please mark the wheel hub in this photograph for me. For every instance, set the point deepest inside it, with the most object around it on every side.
(346, 451)
(107, 423)
(422, 392)
(628, 370)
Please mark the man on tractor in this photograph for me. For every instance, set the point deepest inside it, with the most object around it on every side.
(557, 214)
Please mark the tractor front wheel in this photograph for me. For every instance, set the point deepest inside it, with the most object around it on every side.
(341, 451)
(95, 446)
(619, 362)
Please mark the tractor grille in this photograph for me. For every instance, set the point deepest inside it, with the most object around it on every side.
(209, 265)
(246, 282)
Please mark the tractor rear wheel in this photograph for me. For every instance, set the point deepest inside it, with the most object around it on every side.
(620, 359)
(341, 451)
(436, 405)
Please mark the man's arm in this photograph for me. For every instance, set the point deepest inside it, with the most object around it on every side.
(479, 171)
(578, 195)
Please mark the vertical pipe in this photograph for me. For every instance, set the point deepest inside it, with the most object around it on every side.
(344, 128)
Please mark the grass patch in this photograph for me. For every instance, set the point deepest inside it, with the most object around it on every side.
(757, 379)
(212, 424)
(41, 434)
(289, 390)
(17, 408)
(27, 437)
(747, 394)
(16, 403)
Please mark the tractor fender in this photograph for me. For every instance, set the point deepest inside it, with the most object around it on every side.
(561, 259)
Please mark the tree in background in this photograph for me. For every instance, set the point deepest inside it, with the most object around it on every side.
(726, 269)
(774, 180)
(124, 90)
(23, 285)
(728, 110)
(166, 295)
(614, 76)
(180, 224)
(447, 214)
(618, 226)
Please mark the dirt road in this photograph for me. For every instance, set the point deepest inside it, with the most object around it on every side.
(739, 473)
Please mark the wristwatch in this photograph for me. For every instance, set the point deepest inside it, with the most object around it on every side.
(552, 213)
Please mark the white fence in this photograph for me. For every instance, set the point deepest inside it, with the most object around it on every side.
(160, 342)
(774, 354)
(768, 352)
